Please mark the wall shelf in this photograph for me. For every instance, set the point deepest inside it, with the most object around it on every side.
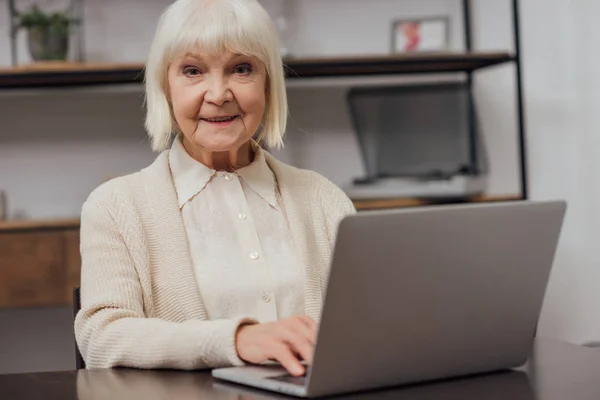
(69, 74)
(77, 74)
(395, 64)
(38, 225)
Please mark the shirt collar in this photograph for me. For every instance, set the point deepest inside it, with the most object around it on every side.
(259, 177)
(190, 177)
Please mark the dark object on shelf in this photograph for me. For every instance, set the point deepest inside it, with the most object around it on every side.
(414, 131)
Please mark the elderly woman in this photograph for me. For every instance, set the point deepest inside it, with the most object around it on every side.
(216, 254)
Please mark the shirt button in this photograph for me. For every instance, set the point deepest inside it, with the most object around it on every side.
(242, 216)
(266, 298)
(228, 177)
(254, 255)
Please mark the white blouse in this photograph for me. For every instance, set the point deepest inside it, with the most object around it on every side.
(244, 259)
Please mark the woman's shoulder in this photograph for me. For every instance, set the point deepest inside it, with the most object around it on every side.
(305, 180)
(121, 190)
(292, 176)
(111, 191)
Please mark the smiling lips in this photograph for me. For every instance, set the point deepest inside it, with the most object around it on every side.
(220, 121)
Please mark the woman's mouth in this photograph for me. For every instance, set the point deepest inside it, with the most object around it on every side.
(220, 121)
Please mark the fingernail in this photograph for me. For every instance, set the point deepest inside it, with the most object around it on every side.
(298, 370)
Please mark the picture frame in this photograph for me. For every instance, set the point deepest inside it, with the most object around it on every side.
(421, 35)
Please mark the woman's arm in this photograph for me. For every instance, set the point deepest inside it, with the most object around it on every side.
(111, 328)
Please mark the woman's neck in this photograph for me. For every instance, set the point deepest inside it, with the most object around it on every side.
(222, 160)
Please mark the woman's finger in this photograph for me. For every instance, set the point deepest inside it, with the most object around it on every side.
(304, 348)
(297, 337)
(283, 354)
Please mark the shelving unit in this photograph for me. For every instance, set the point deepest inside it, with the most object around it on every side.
(469, 62)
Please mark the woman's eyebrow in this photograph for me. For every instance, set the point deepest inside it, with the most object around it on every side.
(232, 58)
(192, 55)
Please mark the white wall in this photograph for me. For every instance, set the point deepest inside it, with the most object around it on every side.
(562, 92)
(56, 147)
(562, 61)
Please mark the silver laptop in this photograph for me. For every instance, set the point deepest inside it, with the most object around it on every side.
(423, 294)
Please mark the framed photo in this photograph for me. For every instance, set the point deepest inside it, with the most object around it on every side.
(421, 35)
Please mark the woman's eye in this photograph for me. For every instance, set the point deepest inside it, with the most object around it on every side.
(191, 71)
(243, 69)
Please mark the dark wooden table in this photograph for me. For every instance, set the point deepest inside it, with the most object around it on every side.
(556, 371)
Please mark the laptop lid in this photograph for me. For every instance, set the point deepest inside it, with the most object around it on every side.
(437, 292)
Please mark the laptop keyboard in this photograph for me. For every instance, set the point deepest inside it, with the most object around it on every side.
(294, 380)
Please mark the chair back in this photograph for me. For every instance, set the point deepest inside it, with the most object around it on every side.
(79, 362)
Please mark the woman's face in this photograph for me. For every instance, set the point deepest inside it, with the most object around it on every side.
(218, 101)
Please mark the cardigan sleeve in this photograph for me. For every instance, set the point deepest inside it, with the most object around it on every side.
(111, 328)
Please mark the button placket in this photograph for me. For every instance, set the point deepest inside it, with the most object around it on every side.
(266, 298)
(256, 262)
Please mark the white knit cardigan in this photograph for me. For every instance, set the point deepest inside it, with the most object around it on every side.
(140, 303)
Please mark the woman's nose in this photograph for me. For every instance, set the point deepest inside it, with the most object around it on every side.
(218, 91)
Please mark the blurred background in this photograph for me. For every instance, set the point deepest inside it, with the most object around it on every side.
(402, 103)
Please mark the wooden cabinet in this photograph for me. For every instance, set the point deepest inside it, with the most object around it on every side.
(39, 264)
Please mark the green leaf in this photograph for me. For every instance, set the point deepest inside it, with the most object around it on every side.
(59, 22)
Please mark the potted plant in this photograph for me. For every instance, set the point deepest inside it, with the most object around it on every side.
(48, 33)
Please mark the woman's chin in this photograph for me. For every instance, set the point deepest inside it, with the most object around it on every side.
(221, 143)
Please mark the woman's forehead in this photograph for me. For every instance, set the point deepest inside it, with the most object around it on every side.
(224, 55)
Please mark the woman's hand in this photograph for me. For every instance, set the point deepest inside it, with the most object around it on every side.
(287, 341)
